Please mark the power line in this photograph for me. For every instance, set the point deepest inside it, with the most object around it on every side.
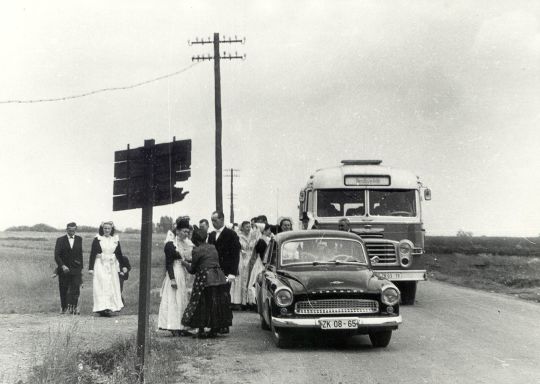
(30, 101)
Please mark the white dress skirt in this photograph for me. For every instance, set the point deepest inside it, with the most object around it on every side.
(106, 284)
(258, 267)
(173, 301)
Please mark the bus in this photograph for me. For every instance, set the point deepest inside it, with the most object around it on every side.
(383, 206)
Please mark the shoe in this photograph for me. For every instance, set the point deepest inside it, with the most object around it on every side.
(63, 311)
(223, 330)
(184, 333)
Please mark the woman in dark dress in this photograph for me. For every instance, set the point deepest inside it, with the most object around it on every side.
(209, 305)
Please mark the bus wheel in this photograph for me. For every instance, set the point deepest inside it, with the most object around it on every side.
(408, 291)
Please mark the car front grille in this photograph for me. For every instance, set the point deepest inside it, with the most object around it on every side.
(336, 307)
(386, 252)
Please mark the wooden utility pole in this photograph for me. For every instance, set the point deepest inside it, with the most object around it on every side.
(217, 97)
(146, 256)
(233, 174)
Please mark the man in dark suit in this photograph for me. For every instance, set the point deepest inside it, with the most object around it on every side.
(68, 255)
(228, 247)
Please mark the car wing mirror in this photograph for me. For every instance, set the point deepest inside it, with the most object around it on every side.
(374, 259)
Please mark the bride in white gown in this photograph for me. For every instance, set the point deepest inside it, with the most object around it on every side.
(174, 291)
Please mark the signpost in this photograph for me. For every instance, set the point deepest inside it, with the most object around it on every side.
(145, 177)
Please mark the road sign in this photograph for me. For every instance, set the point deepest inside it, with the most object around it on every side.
(170, 163)
(145, 177)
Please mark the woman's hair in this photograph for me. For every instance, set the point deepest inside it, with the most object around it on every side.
(198, 237)
(101, 233)
(283, 220)
(244, 223)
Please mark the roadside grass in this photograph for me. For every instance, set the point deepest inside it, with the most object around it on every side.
(27, 264)
(67, 358)
(515, 275)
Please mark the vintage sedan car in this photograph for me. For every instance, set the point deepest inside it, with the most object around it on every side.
(322, 281)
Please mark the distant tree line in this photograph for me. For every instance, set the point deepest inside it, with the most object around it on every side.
(466, 243)
(165, 224)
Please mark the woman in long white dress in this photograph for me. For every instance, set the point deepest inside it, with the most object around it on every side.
(174, 291)
(106, 262)
(239, 285)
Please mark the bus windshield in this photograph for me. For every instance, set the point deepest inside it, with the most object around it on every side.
(352, 202)
(340, 202)
(392, 202)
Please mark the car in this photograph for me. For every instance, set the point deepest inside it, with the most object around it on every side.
(321, 281)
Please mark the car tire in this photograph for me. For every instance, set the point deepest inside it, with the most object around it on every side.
(280, 336)
(380, 339)
(264, 325)
(408, 292)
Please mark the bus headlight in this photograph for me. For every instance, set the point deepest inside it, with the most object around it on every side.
(390, 296)
(283, 297)
(405, 249)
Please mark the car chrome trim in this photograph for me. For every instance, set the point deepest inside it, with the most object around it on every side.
(393, 321)
(336, 307)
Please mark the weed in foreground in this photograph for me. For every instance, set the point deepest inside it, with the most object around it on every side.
(66, 358)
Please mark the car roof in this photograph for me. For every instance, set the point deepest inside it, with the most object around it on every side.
(316, 234)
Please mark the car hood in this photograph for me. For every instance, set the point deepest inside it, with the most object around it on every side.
(362, 280)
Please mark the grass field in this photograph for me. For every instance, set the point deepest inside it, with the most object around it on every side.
(27, 263)
(509, 265)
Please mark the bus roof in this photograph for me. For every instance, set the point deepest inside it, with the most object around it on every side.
(335, 177)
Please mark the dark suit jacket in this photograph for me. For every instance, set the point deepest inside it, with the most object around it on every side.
(228, 248)
(70, 257)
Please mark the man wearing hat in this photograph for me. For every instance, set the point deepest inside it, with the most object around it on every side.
(68, 255)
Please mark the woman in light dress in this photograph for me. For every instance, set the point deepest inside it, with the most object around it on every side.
(255, 264)
(174, 291)
(106, 262)
(239, 292)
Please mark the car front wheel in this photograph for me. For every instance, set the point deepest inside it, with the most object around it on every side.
(380, 339)
(281, 336)
(264, 325)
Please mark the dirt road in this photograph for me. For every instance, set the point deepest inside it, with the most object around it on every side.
(452, 335)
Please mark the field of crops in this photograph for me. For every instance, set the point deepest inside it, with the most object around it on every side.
(27, 263)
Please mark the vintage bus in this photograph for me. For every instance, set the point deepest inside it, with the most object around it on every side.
(383, 206)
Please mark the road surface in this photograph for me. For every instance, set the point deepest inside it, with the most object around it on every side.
(452, 335)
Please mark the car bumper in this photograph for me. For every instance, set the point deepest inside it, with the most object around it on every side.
(363, 322)
(401, 275)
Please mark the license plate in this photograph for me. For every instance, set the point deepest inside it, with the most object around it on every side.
(343, 323)
(390, 275)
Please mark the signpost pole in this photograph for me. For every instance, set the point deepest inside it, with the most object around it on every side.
(146, 258)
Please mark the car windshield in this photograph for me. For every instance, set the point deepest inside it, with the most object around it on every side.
(392, 203)
(322, 250)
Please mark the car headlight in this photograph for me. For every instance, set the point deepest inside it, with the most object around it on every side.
(405, 249)
(283, 297)
(390, 296)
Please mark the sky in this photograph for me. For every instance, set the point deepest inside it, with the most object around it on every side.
(448, 90)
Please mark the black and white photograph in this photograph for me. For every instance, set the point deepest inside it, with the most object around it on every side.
(270, 192)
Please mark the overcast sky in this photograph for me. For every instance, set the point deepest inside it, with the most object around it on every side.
(449, 90)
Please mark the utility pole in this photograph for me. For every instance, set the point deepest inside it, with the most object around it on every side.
(233, 174)
(217, 90)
